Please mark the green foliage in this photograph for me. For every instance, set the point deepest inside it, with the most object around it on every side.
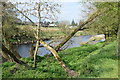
(107, 23)
(91, 61)
(100, 63)
(8, 64)
(52, 34)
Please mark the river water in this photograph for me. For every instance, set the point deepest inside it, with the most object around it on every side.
(23, 49)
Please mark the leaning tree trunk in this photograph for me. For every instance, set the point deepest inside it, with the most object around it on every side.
(70, 72)
(10, 46)
(77, 29)
(14, 51)
(5, 50)
(25, 16)
(31, 51)
(5, 56)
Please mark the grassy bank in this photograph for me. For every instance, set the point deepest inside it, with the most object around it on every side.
(90, 61)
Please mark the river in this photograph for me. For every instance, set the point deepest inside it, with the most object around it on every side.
(23, 49)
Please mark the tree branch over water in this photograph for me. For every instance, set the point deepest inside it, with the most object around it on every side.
(92, 17)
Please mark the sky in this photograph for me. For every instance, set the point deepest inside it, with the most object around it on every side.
(76, 10)
(70, 10)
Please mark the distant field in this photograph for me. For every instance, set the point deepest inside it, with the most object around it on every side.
(35, 27)
(49, 32)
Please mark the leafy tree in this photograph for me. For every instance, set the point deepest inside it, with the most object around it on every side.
(107, 23)
(8, 20)
(8, 29)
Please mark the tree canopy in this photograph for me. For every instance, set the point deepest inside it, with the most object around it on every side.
(107, 23)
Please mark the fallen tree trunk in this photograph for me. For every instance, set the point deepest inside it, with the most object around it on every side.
(70, 72)
(92, 17)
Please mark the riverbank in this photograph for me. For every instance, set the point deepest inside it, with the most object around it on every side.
(26, 33)
(94, 39)
(90, 61)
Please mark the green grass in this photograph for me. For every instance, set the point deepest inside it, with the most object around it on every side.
(54, 34)
(90, 61)
(46, 32)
